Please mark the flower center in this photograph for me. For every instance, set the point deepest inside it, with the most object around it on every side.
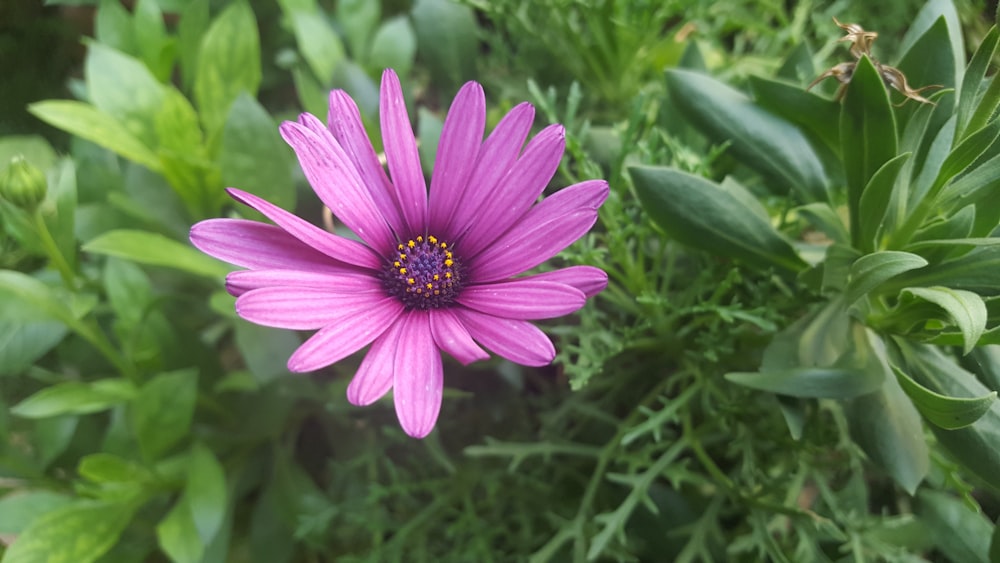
(423, 274)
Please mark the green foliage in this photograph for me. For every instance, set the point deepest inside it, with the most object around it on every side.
(796, 357)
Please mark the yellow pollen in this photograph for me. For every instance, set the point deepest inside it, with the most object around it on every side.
(448, 262)
(447, 254)
(420, 238)
(436, 277)
(429, 285)
(402, 257)
(411, 244)
(396, 264)
(400, 247)
(402, 271)
(444, 245)
(432, 239)
(411, 281)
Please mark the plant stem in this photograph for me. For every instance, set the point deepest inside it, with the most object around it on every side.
(52, 250)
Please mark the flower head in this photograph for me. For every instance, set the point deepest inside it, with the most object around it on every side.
(437, 270)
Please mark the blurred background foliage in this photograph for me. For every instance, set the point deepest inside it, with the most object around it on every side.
(144, 421)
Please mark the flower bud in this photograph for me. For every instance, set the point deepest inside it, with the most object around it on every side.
(23, 184)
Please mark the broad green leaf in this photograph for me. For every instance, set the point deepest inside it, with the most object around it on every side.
(966, 309)
(816, 114)
(113, 26)
(253, 157)
(974, 271)
(394, 46)
(933, 46)
(163, 409)
(88, 122)
(985, 362)
(700, 213)
(759, 139)
(184, 156)
(206, 492)
(19, 509)
(978, 184)
(837, 267)
(962, 156)
(872, 270)
(446, 40)
(875, 201)
(177, 535)
(867, 136)
(23, 297)
(123, 88)
(34, 148)
(973, 86)
(128, 289)
(358, 19)
(429, 135)
(947, 237)
(806, 382)
(987, 106)
(109, 468)
(264, 349)
(156, 250)
(228, 64)
(155, 47)
(51, 436)
(23, 342)
(75, 397)
(191, 28)
(973, 446)
(77, 533)
(59, 209)
(961, 534)
(950, 413)
(888, 428)
(320, 46)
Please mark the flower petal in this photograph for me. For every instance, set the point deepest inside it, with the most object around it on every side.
(242, 281)
(518, 191)
(335, 180)
(461, 138)
(496, 157)
(588, 279)
(340, 248)
(345, 123)
(545, 230)
(401, 154)
(519, 341)
(374, 376)
(418, 378)
(452, 337)
(304, 308)
(524, 299)
(352, 329)
(252, 244)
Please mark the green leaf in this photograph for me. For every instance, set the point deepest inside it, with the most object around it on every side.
(394, 46)
(264, 349)
(973, 87)
(23, 342)
(961, 534)
(75, 397)
(113, 26)
(872, 270)
(88, 122)
(949, 413)
(253, 156)
(358, 19)
(875, 201)
(206, 492)
(702, 214)
(228, 64)
(19, 509)
(816, 114)
(867, 136)
(823, 217)
(182, 151)
(806, 382)
(320, 46)
(446, 40)
(109, 468)
(973, 446)
(78, 533)
(156, 250)
(759, 139)
(178, 536)
(966, 309)
(123, 88)
(933, 48)
(190, 30)
(887, 427)
(156, 48)
(163, 410)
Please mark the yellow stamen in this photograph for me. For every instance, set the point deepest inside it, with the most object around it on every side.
(411, 281)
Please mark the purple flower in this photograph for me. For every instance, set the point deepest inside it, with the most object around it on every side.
(432, 272)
